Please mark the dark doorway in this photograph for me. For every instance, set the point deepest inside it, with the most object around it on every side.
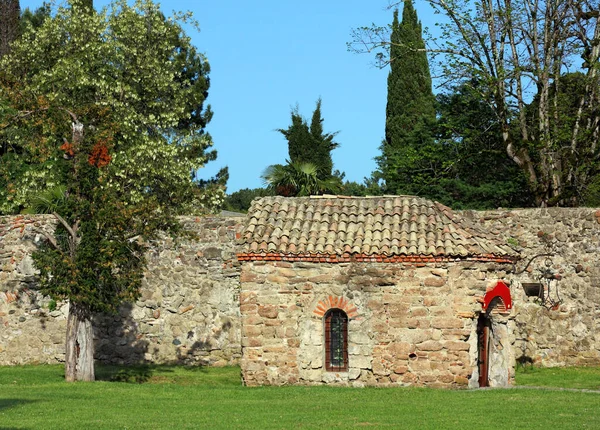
(484, 327)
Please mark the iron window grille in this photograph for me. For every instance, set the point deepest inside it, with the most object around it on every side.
(336, 341)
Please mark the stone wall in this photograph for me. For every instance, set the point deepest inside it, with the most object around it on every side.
(569, 334)
(408, 324)
(188, 311)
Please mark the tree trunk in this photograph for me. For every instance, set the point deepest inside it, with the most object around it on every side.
(79, 357)
(9, 24)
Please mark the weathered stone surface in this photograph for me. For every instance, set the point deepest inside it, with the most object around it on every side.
(268, 311)
(188, 311)
(191, 301)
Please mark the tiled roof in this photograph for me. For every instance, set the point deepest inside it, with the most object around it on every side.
(344, 228)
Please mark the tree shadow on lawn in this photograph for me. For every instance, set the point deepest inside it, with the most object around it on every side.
(11, 403)
(143, 373)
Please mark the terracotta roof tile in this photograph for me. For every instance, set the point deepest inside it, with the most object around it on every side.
(369, 226)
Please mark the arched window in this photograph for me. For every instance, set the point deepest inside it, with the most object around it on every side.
(336, 341)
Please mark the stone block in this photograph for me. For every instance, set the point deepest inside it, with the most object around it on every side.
(380, 368)
(447, 323)
(287, 272)
(251, 330)
(461, 380)
(430, 345)
(400, 369)
(456, 346)
(360, 361)
(434, 281)
(446, 378)
(420, 365)
(276, 279)
(397, 349)
(248, 309)
(416, 312)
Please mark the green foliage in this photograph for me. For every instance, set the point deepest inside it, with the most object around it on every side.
(323, 144)
(298, 179)
(309, 169)
(410, 160)
(477, 172)
(240, 201)
(35, 18)
(310, 144)
(566, 94)
(48, 201)
(104, 110)
(591, 195)
(554, 140)
(369, 187)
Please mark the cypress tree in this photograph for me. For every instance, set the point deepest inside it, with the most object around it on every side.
(10, 11)
(410, 111)
(300, 147)
(323, 144)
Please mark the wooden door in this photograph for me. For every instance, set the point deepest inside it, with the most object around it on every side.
(483, 346)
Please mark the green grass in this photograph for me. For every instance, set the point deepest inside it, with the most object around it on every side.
(587, 378)
(36, 397)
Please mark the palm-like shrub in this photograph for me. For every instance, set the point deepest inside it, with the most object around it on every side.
(298, 179)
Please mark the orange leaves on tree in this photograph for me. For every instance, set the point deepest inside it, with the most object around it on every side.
(99, 156)
(68, 148)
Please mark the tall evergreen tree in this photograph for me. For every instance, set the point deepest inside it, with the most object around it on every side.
(323, 144)
(309, 169)
(10, 11)
(408, 161)
(310, 144)
(300, 147)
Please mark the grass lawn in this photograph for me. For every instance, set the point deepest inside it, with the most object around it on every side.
(36, 397)
(560, 377)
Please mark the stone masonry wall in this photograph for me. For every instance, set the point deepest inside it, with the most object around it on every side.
(408, 324)
(188, 311)
(570, 334)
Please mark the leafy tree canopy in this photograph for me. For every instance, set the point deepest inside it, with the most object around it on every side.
(519, 50)
(102, 121)
(240, 201)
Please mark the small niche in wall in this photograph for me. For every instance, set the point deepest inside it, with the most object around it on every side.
(533, 289)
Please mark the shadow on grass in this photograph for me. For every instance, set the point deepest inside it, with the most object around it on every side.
(11, 403)
(142, 373)
(133, 374)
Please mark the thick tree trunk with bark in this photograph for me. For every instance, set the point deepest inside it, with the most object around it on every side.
(79, 357)
(9, 24)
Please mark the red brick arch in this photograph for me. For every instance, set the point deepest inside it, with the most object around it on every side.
(335, 302)
(501, 291)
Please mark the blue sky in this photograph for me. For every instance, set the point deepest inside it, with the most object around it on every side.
(266, 56)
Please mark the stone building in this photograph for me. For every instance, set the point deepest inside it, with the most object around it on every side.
(352, 291)
(372, 291)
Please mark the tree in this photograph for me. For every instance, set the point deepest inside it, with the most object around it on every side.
(10, 11)
(310, 167)
(477, 172)
(34, 18)
(298, 179)
(103, 101)
(310, 144)
(323, 144)
(406, 162)
(519, 49)
(239, 201)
